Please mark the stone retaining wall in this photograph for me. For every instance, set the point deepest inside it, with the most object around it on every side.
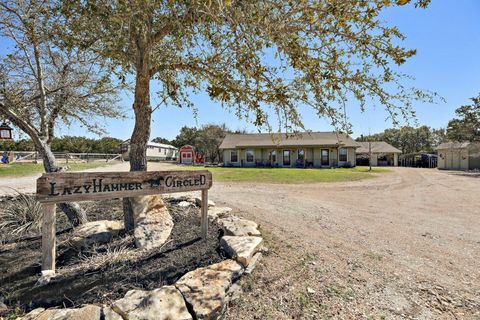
(199, 294)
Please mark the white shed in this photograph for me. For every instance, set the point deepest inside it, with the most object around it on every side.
(155, 151)
(459, 155)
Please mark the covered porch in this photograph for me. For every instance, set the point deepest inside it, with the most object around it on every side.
(290, 157)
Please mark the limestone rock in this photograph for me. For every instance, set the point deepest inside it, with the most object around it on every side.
(253, 263)
(235, 292)
(179, 196)
(101, 231)
(40, 314)
(198, 202)
(184, 204)
(33, 314)
(164, 303)
(46, 277)
(152, 222)
(89, 312)
(241, 249)
(206, 289)
(235, 226)
(218, 212)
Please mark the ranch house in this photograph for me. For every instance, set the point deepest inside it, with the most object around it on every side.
(302, 150)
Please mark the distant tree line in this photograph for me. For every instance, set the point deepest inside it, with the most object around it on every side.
(72, 144)
(409, 139)
(205, 139)
(465, 127)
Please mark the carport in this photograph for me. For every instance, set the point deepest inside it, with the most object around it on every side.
(383, 154)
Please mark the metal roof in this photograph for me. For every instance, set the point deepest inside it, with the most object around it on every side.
(161, 145)
(456, 145)
(377, 147)
(303, 139)
(5, 126)
(154, 144)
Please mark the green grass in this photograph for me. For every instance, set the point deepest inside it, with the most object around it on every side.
(290, 175)
(21, 169)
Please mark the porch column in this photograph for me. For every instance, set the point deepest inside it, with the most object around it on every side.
(338, 156)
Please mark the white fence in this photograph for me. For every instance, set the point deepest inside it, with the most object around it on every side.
(66, 156)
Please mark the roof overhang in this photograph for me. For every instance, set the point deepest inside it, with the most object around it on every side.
(287, 146)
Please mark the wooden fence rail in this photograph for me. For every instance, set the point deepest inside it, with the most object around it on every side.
(68, 156)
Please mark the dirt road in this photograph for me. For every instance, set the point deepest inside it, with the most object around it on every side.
(403, 245)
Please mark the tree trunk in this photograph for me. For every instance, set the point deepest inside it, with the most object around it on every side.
(141, 131)
(76, 215)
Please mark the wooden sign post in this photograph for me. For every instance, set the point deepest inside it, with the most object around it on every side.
(61, 187)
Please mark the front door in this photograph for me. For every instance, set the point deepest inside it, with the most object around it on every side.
(325, 161)
(286, 158)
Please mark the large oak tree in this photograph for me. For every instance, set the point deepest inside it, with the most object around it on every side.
(257, 58)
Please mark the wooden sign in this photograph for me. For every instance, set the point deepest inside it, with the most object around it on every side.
(83, 186)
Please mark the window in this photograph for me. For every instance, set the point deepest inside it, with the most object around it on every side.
(234, 156)
(5, 134)
(301, 155)
(343, 154)
(250, 155)
(286, 157)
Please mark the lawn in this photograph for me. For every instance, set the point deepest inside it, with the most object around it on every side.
(20, 169)
(293, 176)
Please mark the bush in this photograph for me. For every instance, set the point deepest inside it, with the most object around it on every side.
(21, 215)
(347, 164)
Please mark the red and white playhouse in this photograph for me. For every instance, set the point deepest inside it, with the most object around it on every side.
(187, 155)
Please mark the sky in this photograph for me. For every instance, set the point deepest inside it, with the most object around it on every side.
(446, 36)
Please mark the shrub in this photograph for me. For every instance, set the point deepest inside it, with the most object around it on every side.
(347, 164)
(21, 214)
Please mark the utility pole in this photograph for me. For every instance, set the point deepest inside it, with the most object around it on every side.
(369, 148)
(370, 154)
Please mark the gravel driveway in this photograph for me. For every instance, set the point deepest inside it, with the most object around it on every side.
(403, 245)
